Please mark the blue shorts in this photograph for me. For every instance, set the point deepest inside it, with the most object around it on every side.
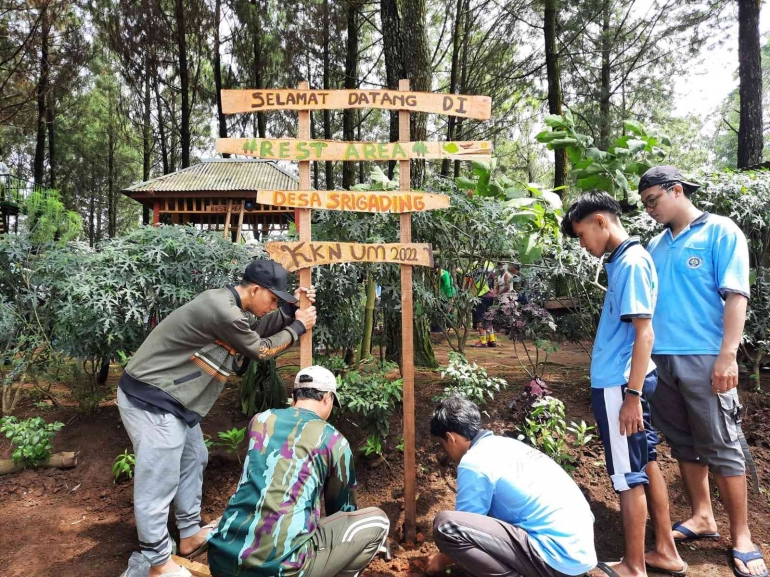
(626, 456)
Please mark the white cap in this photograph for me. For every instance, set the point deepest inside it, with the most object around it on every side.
(318, 378)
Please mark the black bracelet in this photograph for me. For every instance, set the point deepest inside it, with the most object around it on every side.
(634, 392)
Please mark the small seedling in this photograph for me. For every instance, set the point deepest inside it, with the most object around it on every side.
(372, 446)
(124, 465)
(231, 440)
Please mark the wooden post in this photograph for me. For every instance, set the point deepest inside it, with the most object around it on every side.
(407, 341)
(227, 219)
(240, 222)
(156, 213)
(303, 228)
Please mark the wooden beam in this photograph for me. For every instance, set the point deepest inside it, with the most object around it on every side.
(301, 255)
(303, 228)
(240, 222)
(197, 569)
(322, 150)
(235, 101)
(354, 201)
(407, 343)
(227, 219)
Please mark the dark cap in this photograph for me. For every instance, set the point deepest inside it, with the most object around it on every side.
(665, 174)
(270, 275)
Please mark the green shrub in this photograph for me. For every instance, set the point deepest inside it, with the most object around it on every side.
(545, 428)
(372, 396)
(31, 438)
(469, 380)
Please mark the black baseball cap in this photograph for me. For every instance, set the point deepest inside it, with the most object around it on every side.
(270, 275)
(665, 174)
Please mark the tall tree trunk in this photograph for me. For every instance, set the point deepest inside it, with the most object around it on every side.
(456, 34)
(351, 82)
(371, 297)
(162, 129)
(218, 75)
(329, 166)
(184, 81)
(111, 208)
(750, 72)
(173, 132)
(423, 348)
(146, 135)
(394, 63)
(258, 80)
(49, 115)
(418, 71)
(92, 209)
(604, 96)
(554, 88)
(42, 93)
(467, 24)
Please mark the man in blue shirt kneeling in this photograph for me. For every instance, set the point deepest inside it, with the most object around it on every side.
(517, 511)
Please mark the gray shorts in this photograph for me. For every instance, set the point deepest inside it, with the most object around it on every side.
(700, 426)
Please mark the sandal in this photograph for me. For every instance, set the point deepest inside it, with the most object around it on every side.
(690, 535)
(746, 558)
(205, 545)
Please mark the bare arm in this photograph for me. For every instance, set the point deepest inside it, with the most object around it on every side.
(724, 375)
(631, 420)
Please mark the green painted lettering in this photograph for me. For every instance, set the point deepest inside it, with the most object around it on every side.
(266, 149)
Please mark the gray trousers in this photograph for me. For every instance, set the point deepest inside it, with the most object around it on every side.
(487, 547)
(170, 459)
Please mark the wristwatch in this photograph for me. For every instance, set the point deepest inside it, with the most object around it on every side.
(634, 392)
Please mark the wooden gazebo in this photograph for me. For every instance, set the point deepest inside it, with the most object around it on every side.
(219, 194)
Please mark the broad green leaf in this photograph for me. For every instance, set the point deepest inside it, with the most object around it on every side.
(635, 127)
(520, 202)
(635, 146)
(547, 136)
(621, 181)
(465, 183)
(553, 198)
(522, 217)
(554, 121)
(596, 155)
(561, 143)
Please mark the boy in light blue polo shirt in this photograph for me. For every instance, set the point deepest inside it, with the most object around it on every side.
(703, 265)
(623, 377)
(517, 513)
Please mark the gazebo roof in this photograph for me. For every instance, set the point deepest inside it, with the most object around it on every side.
(220, 175)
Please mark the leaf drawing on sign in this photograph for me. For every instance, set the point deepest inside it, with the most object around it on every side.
(419, 148)
(451, 147)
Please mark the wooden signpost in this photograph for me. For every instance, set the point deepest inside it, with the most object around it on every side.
(295, 149)
(354, 200)
(478, 107)
(298, 255)
(306, 253)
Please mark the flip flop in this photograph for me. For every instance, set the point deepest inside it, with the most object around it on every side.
(205, 546)
(681, 573)
(690, 535)
(746, 558)
(607, 569)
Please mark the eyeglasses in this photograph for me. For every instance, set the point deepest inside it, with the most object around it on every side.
(651, 203)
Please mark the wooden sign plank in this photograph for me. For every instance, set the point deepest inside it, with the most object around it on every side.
(321, 150)
(477, 107)
(300, 255)
(354, 200)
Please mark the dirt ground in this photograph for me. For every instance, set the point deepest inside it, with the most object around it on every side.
(77, 522)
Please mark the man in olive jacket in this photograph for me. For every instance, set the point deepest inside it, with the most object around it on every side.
(172, 382)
